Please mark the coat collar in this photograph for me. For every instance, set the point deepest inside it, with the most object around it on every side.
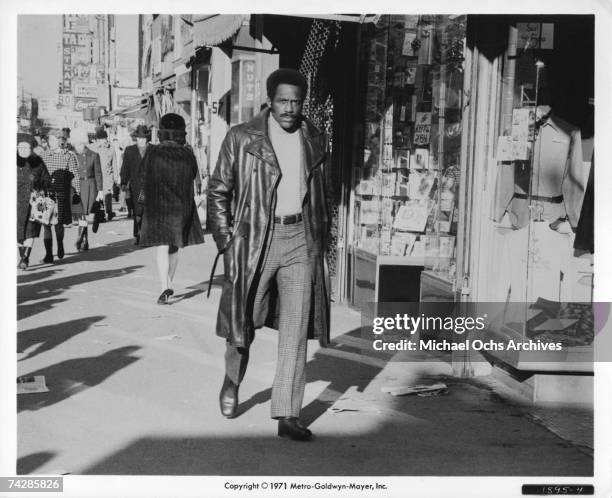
(261, 146)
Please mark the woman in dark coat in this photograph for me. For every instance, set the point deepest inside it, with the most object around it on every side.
(169, 216)
(90, 176)
(31, 175)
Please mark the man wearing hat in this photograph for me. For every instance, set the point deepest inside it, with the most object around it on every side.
(131, 171)
(90, 176)
(107, 163)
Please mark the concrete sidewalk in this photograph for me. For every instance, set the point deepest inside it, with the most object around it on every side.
(133, 387)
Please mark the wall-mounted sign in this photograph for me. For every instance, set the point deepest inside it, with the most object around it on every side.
(86, 91)
(127, 100)
(47, 108)
(64, 100)
(535, 35)
(84, 103)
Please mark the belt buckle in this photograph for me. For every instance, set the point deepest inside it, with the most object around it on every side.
(536, 211)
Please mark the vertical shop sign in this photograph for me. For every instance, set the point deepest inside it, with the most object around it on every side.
(248, 89)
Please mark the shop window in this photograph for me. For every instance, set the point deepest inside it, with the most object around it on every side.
(406, 187)
(543, 153)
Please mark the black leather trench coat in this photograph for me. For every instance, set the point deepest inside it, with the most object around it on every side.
(241, 201)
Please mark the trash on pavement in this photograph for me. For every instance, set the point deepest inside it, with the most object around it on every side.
(28, 385)
(346, 404)
(404, 390)
(168, 337)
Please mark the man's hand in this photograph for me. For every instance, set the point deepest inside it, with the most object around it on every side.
(100, 196)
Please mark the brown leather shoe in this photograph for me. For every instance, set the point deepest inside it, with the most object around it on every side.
(290, 427)
(228, 398)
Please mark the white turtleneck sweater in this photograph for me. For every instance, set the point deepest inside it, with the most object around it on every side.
(288, 150)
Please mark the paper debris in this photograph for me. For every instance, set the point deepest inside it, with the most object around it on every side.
(168, 337)
(339, 409)
(27, 385)
(354, 405)
(403, 390)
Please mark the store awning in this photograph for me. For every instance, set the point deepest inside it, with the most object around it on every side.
(135, 111)
(215, 29)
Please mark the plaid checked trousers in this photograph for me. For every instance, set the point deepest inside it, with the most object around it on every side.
(286, 261)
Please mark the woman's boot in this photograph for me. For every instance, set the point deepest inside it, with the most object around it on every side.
(21, 256)
(60, 249)
(79, 241)
(59, 235)
(85, 245)
(25, 261)
(48, 251)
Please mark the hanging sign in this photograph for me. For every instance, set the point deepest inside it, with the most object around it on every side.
(535, 35)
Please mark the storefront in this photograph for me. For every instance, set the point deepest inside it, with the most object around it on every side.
(528, 199)
(466, 187)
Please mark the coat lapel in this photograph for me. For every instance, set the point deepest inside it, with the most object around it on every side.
(313, 153)
(261, 148)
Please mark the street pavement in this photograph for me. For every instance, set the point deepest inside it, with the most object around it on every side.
(133, 387)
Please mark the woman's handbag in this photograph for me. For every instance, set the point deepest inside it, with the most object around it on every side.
(43, 209)
(97, 209)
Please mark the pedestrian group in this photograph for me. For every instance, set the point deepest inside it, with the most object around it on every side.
(266, 210)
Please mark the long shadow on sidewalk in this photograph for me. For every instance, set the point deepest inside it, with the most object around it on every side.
(464, 433)
(198, 289)
(31, 462)
(53, 288)
(342, 366)
(32, 276)
(101, 253)
(28, 310)
(467, 432)
(70, 377)
(51, 336)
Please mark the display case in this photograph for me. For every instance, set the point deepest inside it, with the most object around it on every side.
(405, 195)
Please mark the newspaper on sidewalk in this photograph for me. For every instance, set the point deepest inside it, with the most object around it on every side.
(29, 385)
(416, 389)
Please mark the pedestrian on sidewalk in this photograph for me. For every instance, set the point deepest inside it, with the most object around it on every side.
(131, 173)
(63, 168)
(32, 175)
(90, 176)
(107, 163)
(169, 216)
(273, 244)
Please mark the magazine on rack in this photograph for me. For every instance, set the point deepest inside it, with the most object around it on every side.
(412, 216)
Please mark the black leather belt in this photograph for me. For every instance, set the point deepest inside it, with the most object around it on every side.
(554, 200)
(289, 219)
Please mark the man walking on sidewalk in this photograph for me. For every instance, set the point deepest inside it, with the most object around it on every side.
(107, 163)
(131, 172)
(267, 211)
